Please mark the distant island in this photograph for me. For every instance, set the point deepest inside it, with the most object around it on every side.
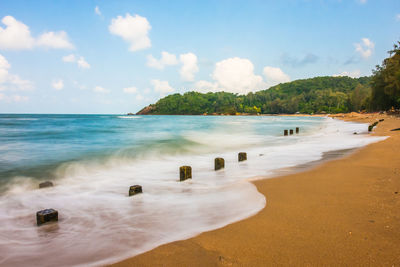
(381, 91)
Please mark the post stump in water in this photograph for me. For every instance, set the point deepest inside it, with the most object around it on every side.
(45, 184)
(185, 172)
(47, 215)
(291, 131)
(285, 132)
(242, 156)
(297, 130)
(219, 163)
(135, 189)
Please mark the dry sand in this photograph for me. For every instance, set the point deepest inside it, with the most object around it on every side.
(345, 212)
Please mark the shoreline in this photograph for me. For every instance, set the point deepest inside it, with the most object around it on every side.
(340, 212)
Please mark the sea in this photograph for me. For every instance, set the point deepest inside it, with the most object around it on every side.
(92, 160)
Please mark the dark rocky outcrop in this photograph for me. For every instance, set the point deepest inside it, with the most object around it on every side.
(46, 184)
(47, 215)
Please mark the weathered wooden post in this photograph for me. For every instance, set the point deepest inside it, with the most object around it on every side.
(242, 156)
(291, 131)
(47, 215)
(371, 126)
(185, 172)
(45, 184)
(219, 163)
(135, 189)
(285, 132)
(297, 130)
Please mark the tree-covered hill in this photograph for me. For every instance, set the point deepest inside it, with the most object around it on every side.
(315, 95)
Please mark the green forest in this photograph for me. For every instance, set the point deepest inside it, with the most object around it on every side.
(381, 91)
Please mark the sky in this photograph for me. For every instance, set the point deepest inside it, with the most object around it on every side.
(115, 57)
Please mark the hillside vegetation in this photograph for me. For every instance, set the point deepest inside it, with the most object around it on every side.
(315, 95)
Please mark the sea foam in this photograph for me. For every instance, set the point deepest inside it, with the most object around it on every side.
(99, 224)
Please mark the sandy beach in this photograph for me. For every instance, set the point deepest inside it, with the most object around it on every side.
(344, 212)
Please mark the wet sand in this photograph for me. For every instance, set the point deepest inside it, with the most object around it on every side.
(342, 212)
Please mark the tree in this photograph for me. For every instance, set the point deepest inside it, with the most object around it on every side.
(386, 82)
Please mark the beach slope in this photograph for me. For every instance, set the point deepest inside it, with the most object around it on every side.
(343, 212)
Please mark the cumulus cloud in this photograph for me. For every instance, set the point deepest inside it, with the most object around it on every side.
(10, 81)
(352, 74)
(189, 66)
(130, 90)
(56, 40)
(133, 29)
(237, 75)
(365, 48)
(166, 59)
(275, 75)
(162, 87)
(17, 36)
(100, 90)
(97, 10)
(79, 60)
(58, 85)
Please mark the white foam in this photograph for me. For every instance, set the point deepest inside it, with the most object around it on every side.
(99, 224)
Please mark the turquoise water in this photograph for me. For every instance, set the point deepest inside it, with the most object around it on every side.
(93, 159)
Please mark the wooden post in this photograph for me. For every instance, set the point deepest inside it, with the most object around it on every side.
(135, 189)
(219, 163)
(291, 131)
(285, 132)
(297, 130)
(45, 184)
(47, 215)
(185, 172)
(242, 156)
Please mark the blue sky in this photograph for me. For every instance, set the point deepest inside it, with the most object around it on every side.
(115, 57)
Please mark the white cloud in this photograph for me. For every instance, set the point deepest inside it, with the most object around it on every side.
(205, 86)
(162, 87)
(352, 74)
(69, 58)
(10, 81)
(101, 90)
(275, 75)
(56, 40)
(81, 62)
(133, 29)
(58, 85)
(237, 75)
(97, 10)
(166, 59)
(16, 36)
(398, 17)
(189, 66)
(362, 1)
(365, 47)
(130, 90)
